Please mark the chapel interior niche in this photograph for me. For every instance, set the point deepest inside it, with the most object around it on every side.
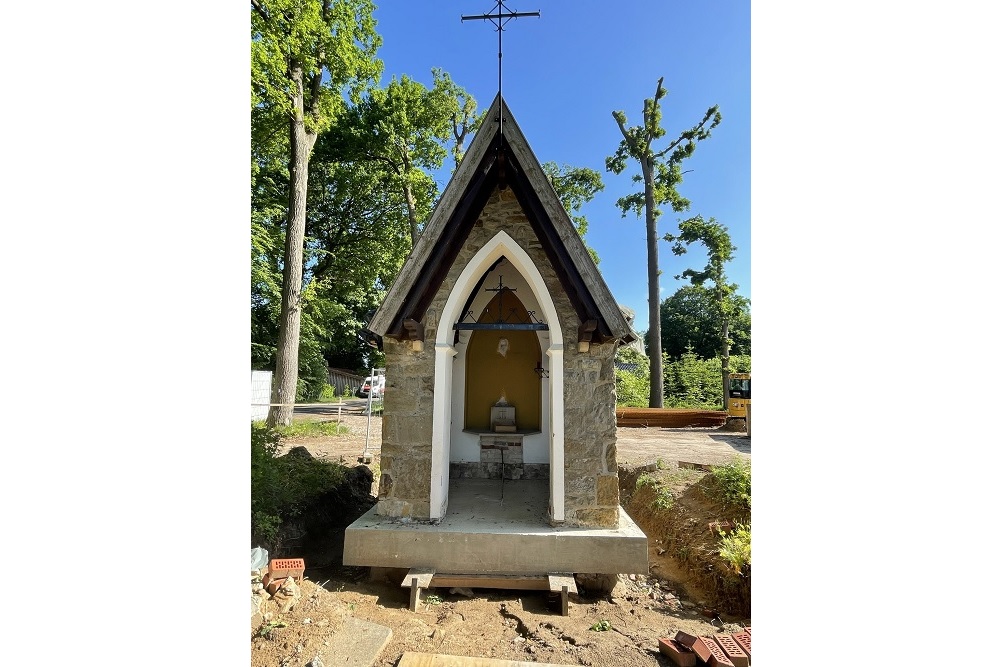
(500, 366)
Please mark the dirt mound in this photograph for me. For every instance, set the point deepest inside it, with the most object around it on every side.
(673, 506)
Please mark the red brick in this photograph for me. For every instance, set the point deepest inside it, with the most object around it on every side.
(719, 526)
(701, 649)
(718, 656)
(678, 653)
(733, 650)
(743, 639)
(274, 584)
(685, 638)
(747, 629)
(287, 567)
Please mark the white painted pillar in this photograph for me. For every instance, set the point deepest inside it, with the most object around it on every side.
(557, 469)
(441, 428)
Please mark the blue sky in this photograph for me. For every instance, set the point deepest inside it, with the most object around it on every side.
(567, 70)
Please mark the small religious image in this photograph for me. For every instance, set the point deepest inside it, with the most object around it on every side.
(502, 347)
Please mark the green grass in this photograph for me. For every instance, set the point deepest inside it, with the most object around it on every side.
(312, 428)
(732, 484)
(664, 498)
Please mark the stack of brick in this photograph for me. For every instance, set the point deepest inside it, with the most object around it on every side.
(722, 650)
(280, 569)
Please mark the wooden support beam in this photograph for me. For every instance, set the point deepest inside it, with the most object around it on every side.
(563, 583)
(416, 579)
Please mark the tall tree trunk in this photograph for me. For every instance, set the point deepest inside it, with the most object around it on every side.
(286, 371)
(653, 277)
(411, 210)
(725, 364)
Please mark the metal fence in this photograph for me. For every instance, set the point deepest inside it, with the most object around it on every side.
(260, 394)
(340, 379)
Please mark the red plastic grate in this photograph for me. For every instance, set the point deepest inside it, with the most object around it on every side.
(733, 650)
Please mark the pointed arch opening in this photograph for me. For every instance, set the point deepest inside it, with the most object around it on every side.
(459, 366)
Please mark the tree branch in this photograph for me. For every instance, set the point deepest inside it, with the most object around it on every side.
(260, 10)
(680, 139)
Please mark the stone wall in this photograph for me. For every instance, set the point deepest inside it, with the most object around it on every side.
(405, 485)
(591, 473)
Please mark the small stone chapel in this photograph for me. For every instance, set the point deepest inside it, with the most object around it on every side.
(499, 412)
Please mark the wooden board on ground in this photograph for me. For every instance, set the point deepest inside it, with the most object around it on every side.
(439, 660)
(357, 644)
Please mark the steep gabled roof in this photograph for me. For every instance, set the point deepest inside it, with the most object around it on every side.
(507, 160)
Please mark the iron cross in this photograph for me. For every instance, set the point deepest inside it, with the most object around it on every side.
(500, 18)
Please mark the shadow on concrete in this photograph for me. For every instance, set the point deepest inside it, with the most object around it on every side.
(740, 442)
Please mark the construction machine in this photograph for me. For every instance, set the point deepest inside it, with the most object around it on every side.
(739, 394)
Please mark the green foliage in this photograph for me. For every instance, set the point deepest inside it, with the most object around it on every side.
(433, 599)
(267, 628)
(328, 394)
(690, 318)
(693, 383)
(644, 479)
(664, 499)
(601, 626)
(575, 186)
(282, 486)
(460, 109)
(734, 548)
(732, 484)
(632, 386)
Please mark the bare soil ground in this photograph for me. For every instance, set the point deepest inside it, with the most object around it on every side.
(681, 592)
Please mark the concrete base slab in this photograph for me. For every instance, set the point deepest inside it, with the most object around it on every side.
(358, 644)
(484, 533)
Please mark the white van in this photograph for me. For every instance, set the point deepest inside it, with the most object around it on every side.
(375, 384)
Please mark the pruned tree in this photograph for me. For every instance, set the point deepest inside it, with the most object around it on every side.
(660, 175)
(575, 186)
(715, 237)
(305, 55)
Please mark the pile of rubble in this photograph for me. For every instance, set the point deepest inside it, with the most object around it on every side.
(278, 582)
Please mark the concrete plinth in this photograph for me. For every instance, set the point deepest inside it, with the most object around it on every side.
(486, 533)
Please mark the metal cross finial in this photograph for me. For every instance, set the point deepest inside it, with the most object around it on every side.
(500, 18)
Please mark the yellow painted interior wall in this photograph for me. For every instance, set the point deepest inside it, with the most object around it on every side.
(490, 374)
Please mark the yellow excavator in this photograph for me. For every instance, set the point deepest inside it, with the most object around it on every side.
(739, 394)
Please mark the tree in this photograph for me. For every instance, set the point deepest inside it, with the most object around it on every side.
(462, 107)
(715, 237)
(689, 318)
(406, 126)
(575, 186)
(661, 174)
(305, 54)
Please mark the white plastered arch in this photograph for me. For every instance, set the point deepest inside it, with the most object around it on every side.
(500, 245)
